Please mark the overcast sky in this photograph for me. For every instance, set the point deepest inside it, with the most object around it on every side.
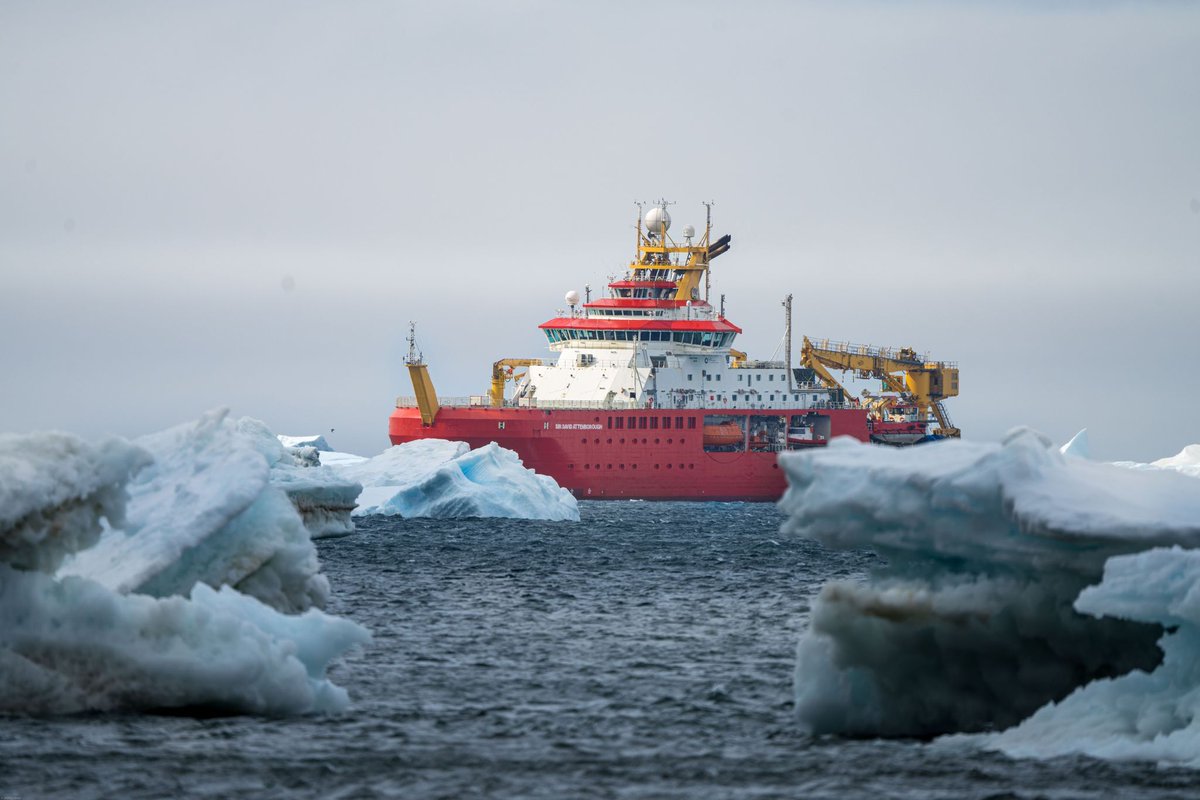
(242, 204)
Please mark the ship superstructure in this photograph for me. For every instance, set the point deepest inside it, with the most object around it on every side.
(646, 396)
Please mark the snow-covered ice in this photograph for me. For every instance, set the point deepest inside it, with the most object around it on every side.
(969, 621)
(1141, 715)
(73, 645)
(317, 442)
(54, 490)
(439, 478)
(181, 514)
(206, 510)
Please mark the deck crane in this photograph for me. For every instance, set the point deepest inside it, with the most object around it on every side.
(924, 383)
(503, 371)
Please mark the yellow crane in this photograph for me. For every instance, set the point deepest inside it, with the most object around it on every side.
(505, 370)
(925, 383)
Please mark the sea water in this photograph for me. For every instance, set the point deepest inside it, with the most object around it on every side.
(645, 651)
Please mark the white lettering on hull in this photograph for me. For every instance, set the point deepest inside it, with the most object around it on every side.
(576, 426)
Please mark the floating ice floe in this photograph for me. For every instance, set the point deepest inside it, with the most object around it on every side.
(215, 506)
(200, 513)
(439, 478)
(970, 621)
(1141, 715)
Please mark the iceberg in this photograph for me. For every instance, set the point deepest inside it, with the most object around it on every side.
(198, 494)
(73, 645)
(439, 478)
(55, 489)
(1078, 446)
(1140, 715)
(316, 442)
(970, 622)
(212, 507)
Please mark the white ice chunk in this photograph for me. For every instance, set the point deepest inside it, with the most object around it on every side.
(54, 490)
(1078, 446)
(205, 511)
(439, 478)
(968, 623)
(316, 441)
(73, 645)
(1151, 716)
(1185, 458)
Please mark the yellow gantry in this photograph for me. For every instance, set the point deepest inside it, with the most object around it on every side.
(925, 383)
(418, 372)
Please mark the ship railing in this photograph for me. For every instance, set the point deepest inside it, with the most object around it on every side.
(409, 401)
(696, 404)
(893, 353)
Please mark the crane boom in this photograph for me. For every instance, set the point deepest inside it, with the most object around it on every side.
(502, 371)
(927, 383)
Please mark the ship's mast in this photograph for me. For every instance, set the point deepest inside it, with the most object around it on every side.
(414, 355)
(707, 273)
(787, 339)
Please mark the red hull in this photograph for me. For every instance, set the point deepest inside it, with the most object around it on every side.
(586, 453)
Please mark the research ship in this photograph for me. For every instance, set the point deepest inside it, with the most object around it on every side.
(647, 398)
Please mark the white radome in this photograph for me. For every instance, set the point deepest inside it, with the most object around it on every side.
(658, 220)
(572, 298)
(688, 231)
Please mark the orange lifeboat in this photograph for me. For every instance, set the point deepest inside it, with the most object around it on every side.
(726, 433)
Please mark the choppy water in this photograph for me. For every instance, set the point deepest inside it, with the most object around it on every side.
(644, 652)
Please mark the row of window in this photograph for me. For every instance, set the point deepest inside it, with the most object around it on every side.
(651, 423)
(656, 293)
(622, 312)
(634, 440)
(701, 338)
(758, 377)
(634, 466)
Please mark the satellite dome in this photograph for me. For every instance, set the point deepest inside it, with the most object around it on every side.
(572, 298)
(658, 221)
(688, 231)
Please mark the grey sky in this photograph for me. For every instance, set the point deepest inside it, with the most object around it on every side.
(1013, 186)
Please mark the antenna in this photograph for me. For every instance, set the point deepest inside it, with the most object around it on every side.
(414, 355)
(787, 306)
(722, 306)
(639, 205)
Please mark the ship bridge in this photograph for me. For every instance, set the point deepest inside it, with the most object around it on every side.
(657, 341)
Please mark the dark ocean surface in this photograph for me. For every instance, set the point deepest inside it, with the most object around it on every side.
(644, 652)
